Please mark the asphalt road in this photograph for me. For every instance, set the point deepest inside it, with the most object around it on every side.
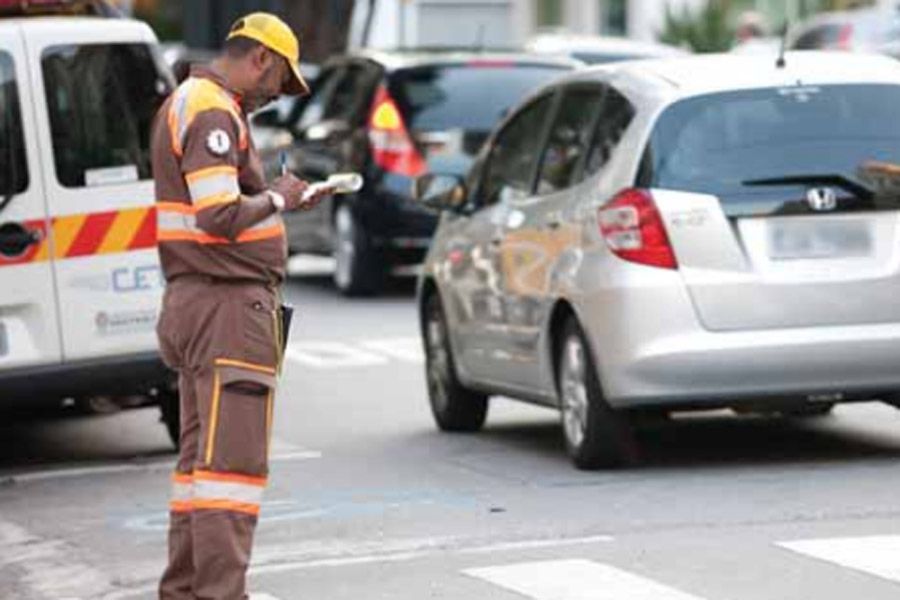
(368, 501)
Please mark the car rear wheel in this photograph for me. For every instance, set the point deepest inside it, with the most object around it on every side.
(359, 268)
(454, 407)
(596, 435)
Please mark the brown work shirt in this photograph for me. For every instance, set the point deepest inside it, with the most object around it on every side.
(213, 218)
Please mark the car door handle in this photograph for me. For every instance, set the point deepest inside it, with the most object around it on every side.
(552, 223)
(496, 241)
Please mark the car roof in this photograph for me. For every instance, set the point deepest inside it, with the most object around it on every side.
(562, 43)
(421, 57)
(76, 25)
(711, 73)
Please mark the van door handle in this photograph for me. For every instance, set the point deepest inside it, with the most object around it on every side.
(15, 239)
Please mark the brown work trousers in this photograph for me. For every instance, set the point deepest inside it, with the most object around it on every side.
(223, 338)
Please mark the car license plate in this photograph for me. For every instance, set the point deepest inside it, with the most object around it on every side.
(805, 240)
(4, 340)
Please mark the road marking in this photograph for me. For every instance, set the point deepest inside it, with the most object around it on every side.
(262, 596)
(575, 580)
(406, 349)
(47, 567)
(304, 556)
(537, 544)
(333, 355)
(281, 452)
(874, 555)
(274, 560)
(321, 354)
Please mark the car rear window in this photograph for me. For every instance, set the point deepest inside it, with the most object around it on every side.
(471, 96)
(14, 177)
(741, 146)
(102, 99)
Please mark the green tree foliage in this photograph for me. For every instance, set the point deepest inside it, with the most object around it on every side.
(706, 30)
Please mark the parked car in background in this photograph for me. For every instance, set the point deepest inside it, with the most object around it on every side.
(861, 30)
(698, 233)
(80, 284)
(595, 50)
(392, 116)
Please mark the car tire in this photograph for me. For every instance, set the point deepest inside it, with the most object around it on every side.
(359, 268)
(455, 408)
(170, 411)
(596, 435)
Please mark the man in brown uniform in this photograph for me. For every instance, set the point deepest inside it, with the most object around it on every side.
(223, 252)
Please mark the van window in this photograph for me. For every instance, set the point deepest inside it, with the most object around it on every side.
(14, 173)
(101, 100)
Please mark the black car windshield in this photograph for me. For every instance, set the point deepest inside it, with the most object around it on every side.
(759, 149)
(469, 96)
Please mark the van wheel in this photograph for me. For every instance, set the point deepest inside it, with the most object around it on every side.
(454, 407)
(596, 435)
(359, 268)
(170, 409)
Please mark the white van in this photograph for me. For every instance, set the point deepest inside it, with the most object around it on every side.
(80, 283)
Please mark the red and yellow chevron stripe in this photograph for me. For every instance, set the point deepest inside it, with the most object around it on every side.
(91, 234)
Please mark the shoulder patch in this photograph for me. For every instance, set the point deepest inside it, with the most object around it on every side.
(218, 142)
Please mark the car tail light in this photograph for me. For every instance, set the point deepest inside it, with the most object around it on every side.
(634, 230)
(392, 147)
(845, 37)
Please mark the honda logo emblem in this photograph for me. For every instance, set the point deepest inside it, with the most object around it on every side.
(822, 199)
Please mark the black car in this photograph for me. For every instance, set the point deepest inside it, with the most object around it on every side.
(391, 116)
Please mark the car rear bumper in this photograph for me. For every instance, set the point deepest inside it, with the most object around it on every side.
(652, 351)
(129, 374)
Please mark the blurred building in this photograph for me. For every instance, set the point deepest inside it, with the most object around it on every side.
(502, 23)
(508, 23)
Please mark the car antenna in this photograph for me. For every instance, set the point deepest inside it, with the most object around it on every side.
(781, 62)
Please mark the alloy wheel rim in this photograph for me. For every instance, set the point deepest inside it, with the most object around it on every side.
(438, 362)
(345, 245)
(573, 388)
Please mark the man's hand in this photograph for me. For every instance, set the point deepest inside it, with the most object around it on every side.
(292, 189)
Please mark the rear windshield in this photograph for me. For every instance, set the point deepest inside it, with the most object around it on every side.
(471, 97)
(759, 149)
(14, 174)
(102, 99)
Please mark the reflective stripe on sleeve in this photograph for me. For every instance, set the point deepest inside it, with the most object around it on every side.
(177, 222)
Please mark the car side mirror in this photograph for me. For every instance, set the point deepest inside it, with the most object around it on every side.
(441, 192)
(326, 130)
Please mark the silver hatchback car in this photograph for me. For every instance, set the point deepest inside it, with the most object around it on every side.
(694, 233)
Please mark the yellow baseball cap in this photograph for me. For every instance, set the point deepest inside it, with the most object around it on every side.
(276, 35)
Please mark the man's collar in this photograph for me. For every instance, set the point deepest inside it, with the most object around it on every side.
(208, 72)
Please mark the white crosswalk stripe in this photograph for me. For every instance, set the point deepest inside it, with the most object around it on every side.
(576, 580)
(320, 354)
(875, 555)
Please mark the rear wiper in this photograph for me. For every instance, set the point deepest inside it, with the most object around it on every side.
(841, 181)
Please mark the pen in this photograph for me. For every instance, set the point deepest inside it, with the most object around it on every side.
(284, 169)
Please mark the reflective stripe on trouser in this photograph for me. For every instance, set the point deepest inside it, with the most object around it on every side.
(221, 338)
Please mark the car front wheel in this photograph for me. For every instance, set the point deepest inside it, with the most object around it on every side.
(454, 407)
(596, 436)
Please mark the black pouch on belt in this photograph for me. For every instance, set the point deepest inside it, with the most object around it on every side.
(287, 313)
